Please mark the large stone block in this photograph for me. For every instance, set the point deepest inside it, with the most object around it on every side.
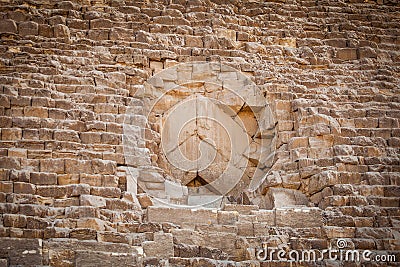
(103, 259)
(347, 54)
(6, 186)
(113, 237)
(283, 197)
(112, 192)
(265, 216)
(7, 25)
(61, 31)
(28, 28)
(299, 217)
(227, 217)
(161, 247)
(52, 165)
(65, 135)
(181, 216)
(11, 134)
(14, 220)
(94, 201)
(81, 212)
(90, 137)
(92, 223)
(223, 241)
(41, 178)
(242, 209)
(22, 252)
(24, 188)
(83, 234)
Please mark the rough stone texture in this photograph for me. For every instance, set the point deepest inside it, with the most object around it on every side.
(70, 71)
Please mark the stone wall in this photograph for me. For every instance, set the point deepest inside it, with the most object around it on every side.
(70, 70)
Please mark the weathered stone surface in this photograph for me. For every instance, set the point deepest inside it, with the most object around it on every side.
(94, 201)
(86, 258)
(223, 241)
(181, 216)
(22, 251)
(282, 197)
(83, 234)
(145, 200)
(299, 217)
(242, 209)
(161, 247)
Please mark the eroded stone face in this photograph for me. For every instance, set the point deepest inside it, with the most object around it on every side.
(214, 128)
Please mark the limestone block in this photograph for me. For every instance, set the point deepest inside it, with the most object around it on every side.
(153, 186)
(186, 251)
(193, 41)
(339, 232)
(90, 179)
(94, 201)
(137, 157)
(156, 66)
(104, 166)
(14, 220)
(61, 31)
(297, 142)
(113, 237)
(346, 54)
(90, 137)
(111, 192)
(14, 248)
(24, 188)
(299, 217)
(282, 197)
(92, 223)
(100, 23)
(261, 229)
(28, 28)
(175, 190)
(247, 218)
(43, 178)
(40, 112)
(228, 34)
(367, 52)
(11, 134)
(80, 212)
(29, 122)
(119, 204)
(227, 217)
(7, 25)
(321, 180)
(255, 48)
(179, 216)
(161, 247)
(110, 180)
(37, 223)
(65, 135)
(83, 234)
(6, 186)
(151, 175)
(212, 253)
(241, 209)
(52, 165)
(265, 216)
(223, 241)
(145, 200)
(17, 152)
